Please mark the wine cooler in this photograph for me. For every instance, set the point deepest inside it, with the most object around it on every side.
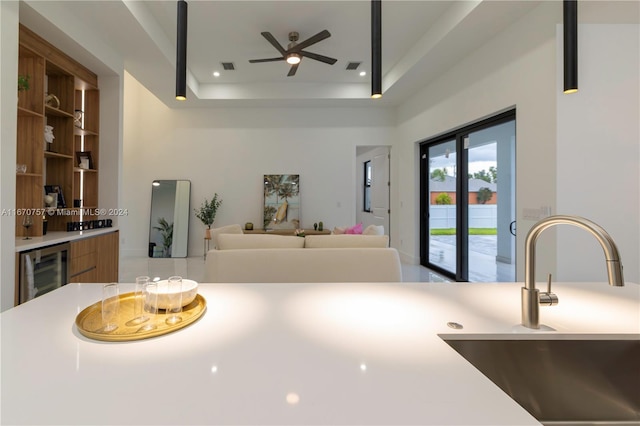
(43, 270)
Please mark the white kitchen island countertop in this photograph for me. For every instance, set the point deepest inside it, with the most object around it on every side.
(291, 354)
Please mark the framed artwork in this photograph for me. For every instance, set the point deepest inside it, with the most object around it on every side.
(84, 160)
(281, 201)
(56, 189)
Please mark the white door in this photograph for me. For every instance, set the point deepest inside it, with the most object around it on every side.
(380, 187)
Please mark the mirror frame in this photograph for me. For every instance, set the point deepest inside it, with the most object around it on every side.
(169, 218)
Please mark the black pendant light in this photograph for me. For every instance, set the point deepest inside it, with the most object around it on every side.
(181, 52)
(570, 18)
(376, 49)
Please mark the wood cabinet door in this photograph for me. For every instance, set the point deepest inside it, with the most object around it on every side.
(107, 249)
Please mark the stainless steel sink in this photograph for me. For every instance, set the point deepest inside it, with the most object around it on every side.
(568, 382)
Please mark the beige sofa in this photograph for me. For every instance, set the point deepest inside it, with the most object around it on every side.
(246, 258)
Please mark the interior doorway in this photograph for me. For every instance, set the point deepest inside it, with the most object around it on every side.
(467, 201)
(373, 186)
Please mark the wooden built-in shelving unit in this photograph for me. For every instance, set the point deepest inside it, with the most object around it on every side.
(75, 118)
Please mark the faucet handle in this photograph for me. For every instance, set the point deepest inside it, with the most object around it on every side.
(547, 298)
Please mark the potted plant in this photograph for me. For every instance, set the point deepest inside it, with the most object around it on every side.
(23, 82)
(166, 230)
(207, 213)
(23, 85)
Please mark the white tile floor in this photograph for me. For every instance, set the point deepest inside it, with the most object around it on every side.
(193, 268)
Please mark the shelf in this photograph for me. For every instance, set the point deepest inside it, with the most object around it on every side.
(24, 112)
(37, 175)
(57, 112)
(51, 154)
(79, 170)
(83, 132)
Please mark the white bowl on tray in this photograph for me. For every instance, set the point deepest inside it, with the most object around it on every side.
(189, 292)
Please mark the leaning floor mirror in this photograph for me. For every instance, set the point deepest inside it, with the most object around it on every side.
(169, 227)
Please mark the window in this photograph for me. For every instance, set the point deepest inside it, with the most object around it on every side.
(367, 186)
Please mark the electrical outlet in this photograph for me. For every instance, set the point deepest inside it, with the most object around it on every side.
(536, 214)
(531, 214)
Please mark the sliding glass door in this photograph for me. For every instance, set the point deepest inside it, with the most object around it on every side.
(468, 202)
(441, 205)
(491, 206)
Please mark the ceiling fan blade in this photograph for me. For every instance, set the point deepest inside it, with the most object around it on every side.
(321, 58)
(293, 70)
(311, 40)
(255, 61)
(271, 39)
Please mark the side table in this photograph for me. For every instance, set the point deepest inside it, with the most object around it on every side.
(207, 241)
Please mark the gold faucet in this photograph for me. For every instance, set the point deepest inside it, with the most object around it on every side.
(531, 297)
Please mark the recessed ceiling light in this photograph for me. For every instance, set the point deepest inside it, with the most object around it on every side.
(216, 74)
(363, 73)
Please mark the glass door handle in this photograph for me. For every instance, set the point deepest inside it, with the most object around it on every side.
(512, 228)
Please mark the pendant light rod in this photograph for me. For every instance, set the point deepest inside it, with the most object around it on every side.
(181, 52)
(376, 49)
(570, 24)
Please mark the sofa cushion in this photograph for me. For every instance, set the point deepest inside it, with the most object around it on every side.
(346, 241)
(373, 230)
(303, 266)
(229, 229)
(256, 241)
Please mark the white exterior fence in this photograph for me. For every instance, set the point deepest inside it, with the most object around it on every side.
(480, 216)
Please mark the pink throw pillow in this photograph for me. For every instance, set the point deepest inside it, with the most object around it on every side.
(357, 229)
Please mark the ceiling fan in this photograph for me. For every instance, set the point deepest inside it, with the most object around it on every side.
(294, 53)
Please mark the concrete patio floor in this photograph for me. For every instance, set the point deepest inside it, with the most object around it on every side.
(483, 266)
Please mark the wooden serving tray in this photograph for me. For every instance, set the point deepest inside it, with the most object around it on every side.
(89, 321)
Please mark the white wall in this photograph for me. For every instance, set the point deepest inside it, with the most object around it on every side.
(597, 129)
(227, 151)
(516, 68)
(8, 120)
(598, 151)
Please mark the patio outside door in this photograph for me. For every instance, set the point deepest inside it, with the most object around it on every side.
(491, 207)
(442, 220)
(468, 202)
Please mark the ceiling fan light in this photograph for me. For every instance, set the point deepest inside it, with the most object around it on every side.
(293, 58)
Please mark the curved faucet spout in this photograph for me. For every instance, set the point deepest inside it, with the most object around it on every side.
(530, 295)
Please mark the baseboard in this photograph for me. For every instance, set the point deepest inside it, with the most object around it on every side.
(408, 259)
(133, 253)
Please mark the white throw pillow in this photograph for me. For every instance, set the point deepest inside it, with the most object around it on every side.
(373, 230)
(258, 241)
(229, 229)
(339, 230)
